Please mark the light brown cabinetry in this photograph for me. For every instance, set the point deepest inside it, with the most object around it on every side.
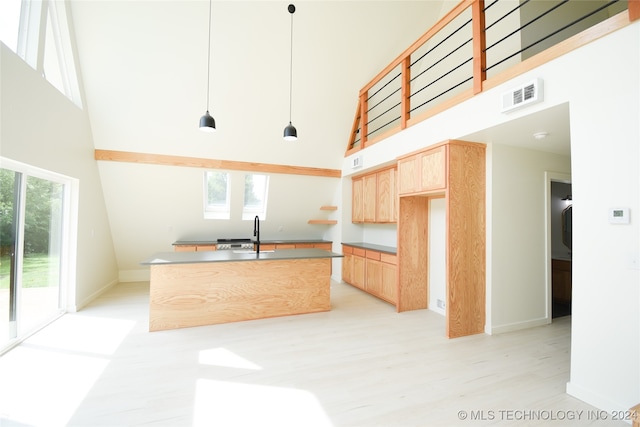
(455, 171)
(423, 171)
(374, 197)
(372, 271)
(194, 248)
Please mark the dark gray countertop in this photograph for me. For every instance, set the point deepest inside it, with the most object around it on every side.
(262, 242)
(379, 248)
(231, 256)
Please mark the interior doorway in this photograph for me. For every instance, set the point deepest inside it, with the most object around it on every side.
(559, 232)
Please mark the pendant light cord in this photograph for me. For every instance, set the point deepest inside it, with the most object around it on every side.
(209, 57)
(291, 66)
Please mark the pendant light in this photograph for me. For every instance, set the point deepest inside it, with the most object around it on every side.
(207, 123)
(290, 132)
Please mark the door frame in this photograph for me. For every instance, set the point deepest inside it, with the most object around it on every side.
(550, 177)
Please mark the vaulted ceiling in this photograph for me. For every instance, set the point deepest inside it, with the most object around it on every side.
(144, 70)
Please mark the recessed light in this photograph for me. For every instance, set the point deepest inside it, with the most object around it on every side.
(540, 135)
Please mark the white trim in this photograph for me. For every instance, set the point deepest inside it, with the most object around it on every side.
(127, 276)
(597, 400)
(550, 176)
(510, 327)
(92, 297)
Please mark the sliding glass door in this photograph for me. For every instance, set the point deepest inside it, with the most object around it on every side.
(31, 235)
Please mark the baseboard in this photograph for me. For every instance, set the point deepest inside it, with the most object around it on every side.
(80, 305)
(520, 325)
(126, 276)
(607, 406)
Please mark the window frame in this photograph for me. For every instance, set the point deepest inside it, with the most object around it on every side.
(211, 211)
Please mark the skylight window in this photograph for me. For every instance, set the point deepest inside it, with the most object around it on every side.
(256, 191)
(217, 203)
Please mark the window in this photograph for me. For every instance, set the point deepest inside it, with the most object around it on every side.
(216, 195)
(9, 23)
(22, 23)
(256, 190)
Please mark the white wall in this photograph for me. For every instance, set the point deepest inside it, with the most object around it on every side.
(604, 99)
(41, 127)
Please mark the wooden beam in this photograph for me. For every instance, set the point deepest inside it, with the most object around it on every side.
(198, 162)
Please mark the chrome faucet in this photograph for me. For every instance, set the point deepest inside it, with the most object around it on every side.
(256, 232)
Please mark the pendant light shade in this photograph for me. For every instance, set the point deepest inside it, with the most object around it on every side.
(207, 123)
(290, 132)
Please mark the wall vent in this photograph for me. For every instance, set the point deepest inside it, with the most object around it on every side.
(527, 94)
(356, 162)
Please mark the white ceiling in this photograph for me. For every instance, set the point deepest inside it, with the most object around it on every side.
(144, 70)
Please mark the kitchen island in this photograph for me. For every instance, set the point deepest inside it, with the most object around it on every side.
(205, 288)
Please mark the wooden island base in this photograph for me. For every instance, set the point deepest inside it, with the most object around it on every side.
(197, 294)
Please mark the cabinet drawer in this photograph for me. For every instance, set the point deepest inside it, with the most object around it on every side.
(304, 245)
(388, 258)
(205, 248)
(347, 250)
(359, 252)
(373, 255)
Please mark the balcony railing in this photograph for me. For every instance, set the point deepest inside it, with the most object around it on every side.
(476, 41)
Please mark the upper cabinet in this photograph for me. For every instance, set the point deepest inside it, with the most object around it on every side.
(374, 197)
(423, 171)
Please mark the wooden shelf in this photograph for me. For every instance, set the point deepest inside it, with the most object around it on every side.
(328, 208)
(323, 221)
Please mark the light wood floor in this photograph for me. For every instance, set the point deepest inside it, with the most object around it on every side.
(361, 364)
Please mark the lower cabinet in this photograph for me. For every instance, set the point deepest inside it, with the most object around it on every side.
(194, 248)
(372, 271)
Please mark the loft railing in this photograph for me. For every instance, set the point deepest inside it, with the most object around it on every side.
(477, 40)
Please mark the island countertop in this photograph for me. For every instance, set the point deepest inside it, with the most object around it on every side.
(262, 241)
(162, 258)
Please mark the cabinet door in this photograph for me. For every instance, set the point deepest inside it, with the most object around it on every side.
(386, 189)
(357, 213)
(374, 277)
(433, 169)
(389, 282)
(408, 179)
(369, 193)
(347, 268)
(359, 266)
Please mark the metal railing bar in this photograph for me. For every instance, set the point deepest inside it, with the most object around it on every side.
(527, 24)
(442, 93)
(441, 59)
(554, 33)
(385, 85)
(384, 125)
(383, 113)
(487, 7)
(507, 14)
(442, 41)
(384, 99)
(442, 77)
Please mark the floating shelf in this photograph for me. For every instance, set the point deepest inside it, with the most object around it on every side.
(323, 221)
(328, 208)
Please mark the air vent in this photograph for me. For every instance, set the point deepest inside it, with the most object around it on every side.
(527, 94)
